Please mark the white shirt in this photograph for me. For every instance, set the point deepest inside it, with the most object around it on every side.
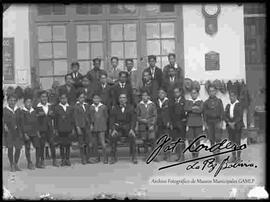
(75, 74)
(44, 107)
(82, 105)
(123, 108)
(64, 106)
(122, 85)
(30, 111)
(232, 108)
(104, 85)
(153, 71)
(13, 111)
(146, 104)
(97, 106)
(197, 99)
(160, 102)
(177, 100)
(172, 79)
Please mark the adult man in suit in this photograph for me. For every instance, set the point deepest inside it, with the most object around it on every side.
(154, 71)
(113, 72)
(177, 68)
(150, 85)
(94, 74)
(172, 81)
(122, 86)
(122, 123)
(76, 75)
(88, 89)
(71, 91)
(132, 74)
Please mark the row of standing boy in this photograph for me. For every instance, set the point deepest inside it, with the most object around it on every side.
(85, 111)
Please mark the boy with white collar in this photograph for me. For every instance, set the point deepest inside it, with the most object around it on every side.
(147, 118)
(234, 122)
(98, 126)
(194, 108)
(64, 126)
(12, 131)
(30, 131)
(45, 124)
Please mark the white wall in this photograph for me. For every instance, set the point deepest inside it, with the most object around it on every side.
(228, 42)
(16, 24)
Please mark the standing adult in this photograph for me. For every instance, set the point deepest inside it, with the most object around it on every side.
(94, 74)
(113, 72)
(71, 91)
(76, 75)
(155, 71)
(172, 63)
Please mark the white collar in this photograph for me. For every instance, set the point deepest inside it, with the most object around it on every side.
(148, 102)
(162, 101)
(41, 105)
(178, 99)
(97, 107)
(234, 102)
(13, 111)
(122, 84)
(64, 106)
(80, 103)
(197, 99)
(31, 109)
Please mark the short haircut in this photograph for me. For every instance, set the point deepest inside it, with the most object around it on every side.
(114, 58)
(179, 88)
(62, 92)
(79, 93)
(146, 72)
(212, 86)
(123, 94)
(43, 92)
(96, 59)
(171, 67)
(144, 90)
(162, 89)
(171, 54)
(233, 92)
(96, 93)
(129, 59)
(196, 89)
(152, 57)
(123, 72)
(103, 73)
(11, 95)
(75, 64)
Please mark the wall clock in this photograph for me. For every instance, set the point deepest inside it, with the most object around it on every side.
(211, 12)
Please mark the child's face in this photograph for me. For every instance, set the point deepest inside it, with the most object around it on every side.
(114, 63)
(212, 92)
(194, 94)
(44, 98)
(177, 93)
(75, 68)
(85, 82)
(63, 99)
(122, 99)
(233, 97)
(146, 76)
(12, 102)
(96, 64)
(28, 103)
(96, 99)
(161, 94)
(123, 78)
(171, 72)
(145, 97)
(69, 80)
(81, 98)
(103, 79)
(152, 62)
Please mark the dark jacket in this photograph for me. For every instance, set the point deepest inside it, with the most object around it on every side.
(81, 117)
(105, 94)
(116, 90)
(94, 74)
(179, 72)
(12, 121)
(163, 113)
(177, 112)
(150, 113)
(237, 115)
(194, 116)
(88, 92)
(158, 76)
(45, 121)
(126, 119)
(29, 122)
(213, 109)
(77, 80)
(71, 94)
(152, 89)
(169, 86)
(64, 120)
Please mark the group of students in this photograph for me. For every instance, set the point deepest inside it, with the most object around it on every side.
(95, 108)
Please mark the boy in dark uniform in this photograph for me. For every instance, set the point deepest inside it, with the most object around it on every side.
(76, 75)
(194, 108)
(155, 72)
(12, 131)
(163, 115)
(147, 118)
(45, 115)
(82, 124)
(122, 123)
(64, 127)
(30, 131)
(178, 118)
(103, 89)
(88, 89)
(213, 112)
(177, 68)
(150, 85)
(71, 91)
(94, 74)
(234, 122)
(122, 86)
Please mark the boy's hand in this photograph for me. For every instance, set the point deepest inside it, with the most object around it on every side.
(114, 132)
(79, 131)
(168, 125)
(151, 127)
(132, 133)
(6, 128)
(26, 136)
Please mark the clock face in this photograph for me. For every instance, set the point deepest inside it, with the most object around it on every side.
(211, 9)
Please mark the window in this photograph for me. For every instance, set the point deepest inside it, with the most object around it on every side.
(252, 8)
(51, 9)
(86, 9)
(123, 42)
(52, 53)
(123, 9)
(159, 8)
(160, 41)
(89, 45)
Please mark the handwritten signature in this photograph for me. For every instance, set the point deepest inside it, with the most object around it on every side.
(165, 144)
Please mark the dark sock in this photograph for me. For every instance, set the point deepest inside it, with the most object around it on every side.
(10, 155)
(17, 155)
